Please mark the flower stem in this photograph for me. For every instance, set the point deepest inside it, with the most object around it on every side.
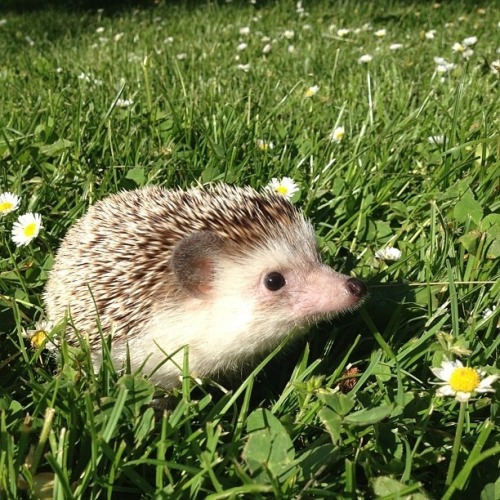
(456, 444)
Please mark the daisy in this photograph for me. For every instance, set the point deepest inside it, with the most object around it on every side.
(388, 253)
(380, 33)
(429, 35)
(288, 34)
(267, 48)
(244, 67)
(245, 30)
(265, 145)
(395, 46)
(8, 203)
(26, 228)
(285, 187)
(444, 66)
(489, 312)
(124, 103)
(458, 47)
(366, 58)
(337, 134)
(312, 91)
(39, 334)
(437, 140)
(342, 32)
(469, 41)
(495, 67)
(461, 382)
(241, 46)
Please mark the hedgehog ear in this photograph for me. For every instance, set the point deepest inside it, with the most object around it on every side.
(193, 261)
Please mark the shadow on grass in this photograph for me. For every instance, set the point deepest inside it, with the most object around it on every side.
(111, 6)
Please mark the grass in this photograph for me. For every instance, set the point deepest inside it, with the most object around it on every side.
(286, 431)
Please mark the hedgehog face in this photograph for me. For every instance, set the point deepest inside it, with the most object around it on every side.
(254, 299)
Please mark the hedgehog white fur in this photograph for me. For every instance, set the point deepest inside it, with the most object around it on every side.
(226, 271)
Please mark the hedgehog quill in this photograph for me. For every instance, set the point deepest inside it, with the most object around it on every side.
(227, 271)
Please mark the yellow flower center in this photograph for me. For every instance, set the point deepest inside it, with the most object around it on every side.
(464, 380)
(29, 230)
(38, 338)
(282, 190)
(6, 205)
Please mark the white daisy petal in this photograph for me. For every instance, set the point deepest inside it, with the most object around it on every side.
(485, 384)
(445, 390)
(463, 397)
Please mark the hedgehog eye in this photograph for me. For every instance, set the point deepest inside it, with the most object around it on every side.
(274, 281)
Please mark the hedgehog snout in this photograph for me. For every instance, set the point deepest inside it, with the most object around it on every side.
(356, 287)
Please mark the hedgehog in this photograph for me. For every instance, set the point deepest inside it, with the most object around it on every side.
(226, 272)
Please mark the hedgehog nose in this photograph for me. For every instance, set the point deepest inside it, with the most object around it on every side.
(356, 287)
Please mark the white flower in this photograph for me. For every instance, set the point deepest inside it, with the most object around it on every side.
(437, 140)
(289, 34)
(489, 311)
(245, 30)
(495, 67)
(244, 67)
(388, 253)
(39, 334)
(83, 76)
(267, 48)
(124, 103)
(182, 56)
(342, 32)
(365, 58)
(313, 90)
(469, 41)
(461, 382)
(467, 53)
(118, 36)
(443, 66)
(241, 46)
(99, 30)
(8, 203)
(264, 145)
(337, 134)
(300, 10)
(291, 49)
(26, 228)
(380, 33)
(457, 47)
(285, 187)
(429, 35)
(395, 46)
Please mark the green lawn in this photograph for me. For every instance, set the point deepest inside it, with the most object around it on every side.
(96, 101)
